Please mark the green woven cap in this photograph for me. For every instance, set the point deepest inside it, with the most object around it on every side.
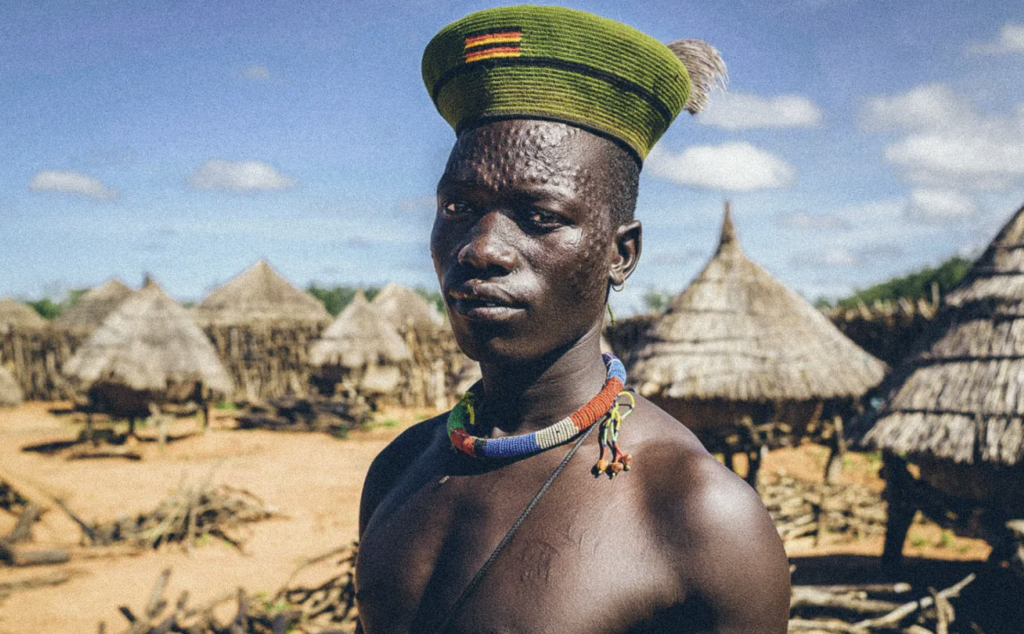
(559, 64)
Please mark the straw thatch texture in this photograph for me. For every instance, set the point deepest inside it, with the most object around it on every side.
(887, 330)
(260, 295)
(10, 391)
(358, 338)
(37, 357)
(88, 313)
(404, 308)
(961, 395)
(14, 314)
(626, 336)
(150, 344)
(266, 360)
(737, 334)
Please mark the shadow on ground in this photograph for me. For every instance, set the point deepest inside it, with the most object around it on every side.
(994, 601)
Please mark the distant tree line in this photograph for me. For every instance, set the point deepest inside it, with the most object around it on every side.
(50, 309)
(336, 298)
(915, 285)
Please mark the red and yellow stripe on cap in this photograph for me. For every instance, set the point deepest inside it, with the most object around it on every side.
(493, 43)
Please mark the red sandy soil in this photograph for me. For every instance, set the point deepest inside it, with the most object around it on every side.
(925, 539)
(313, 479)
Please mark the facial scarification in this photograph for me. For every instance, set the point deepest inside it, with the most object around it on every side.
(558, 271)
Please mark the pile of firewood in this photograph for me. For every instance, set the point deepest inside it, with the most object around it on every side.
(802, 509)
(302, 415)
(14, 548)
(326, 608)
(870, 609)
(10, 499)
(188, 515)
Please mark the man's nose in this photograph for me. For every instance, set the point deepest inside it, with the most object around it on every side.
(489, 246)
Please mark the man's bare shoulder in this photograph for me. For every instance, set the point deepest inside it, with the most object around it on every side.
(712, 528)
(394, 460)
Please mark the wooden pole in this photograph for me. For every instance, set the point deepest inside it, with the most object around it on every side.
(754, 460)
(161, 427)
(834, 466)
(901, 509)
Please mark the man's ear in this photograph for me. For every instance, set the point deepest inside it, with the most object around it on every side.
(628, 244)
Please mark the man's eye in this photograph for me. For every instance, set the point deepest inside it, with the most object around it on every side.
(455, 209)
(539, 217)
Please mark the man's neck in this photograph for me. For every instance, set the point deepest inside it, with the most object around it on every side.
(525, 397)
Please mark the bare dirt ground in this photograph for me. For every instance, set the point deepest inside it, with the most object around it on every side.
(315, 481)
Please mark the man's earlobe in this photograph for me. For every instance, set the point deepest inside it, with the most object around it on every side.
(628, 244)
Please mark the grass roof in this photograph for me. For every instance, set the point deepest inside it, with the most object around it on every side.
(960, 394)
(738, 334)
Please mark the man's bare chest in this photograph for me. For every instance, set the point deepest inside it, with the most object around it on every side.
(580, 562)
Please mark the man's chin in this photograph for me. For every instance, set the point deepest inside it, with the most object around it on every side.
(484, 345)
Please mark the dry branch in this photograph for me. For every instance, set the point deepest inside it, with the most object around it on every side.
(335, 417)
(890, 617)
(189, 514)
(326, 608)
(801, 508)
(55, 578)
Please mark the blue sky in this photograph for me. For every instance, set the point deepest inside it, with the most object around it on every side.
(857, 140)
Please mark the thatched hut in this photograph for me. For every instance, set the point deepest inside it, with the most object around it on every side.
(262, 326)
(745, 362)
(87, 314)
(259, 295)
(17, 316)
(955, 407)
(437, 361)
(405, 308)
(362, 351)
(10, 391)
(30, 350)
(148, 351)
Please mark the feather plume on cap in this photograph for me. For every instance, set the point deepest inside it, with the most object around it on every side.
(706, 68)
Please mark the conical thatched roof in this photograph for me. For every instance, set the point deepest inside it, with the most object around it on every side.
(260, 295)
(359, 337)
(736, 333)
(403, 306)
(960, 396)
(10, 391)
(88, 313)
(14, 314)
(149, 344)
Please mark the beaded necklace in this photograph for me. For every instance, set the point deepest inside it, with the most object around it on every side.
(603, 408)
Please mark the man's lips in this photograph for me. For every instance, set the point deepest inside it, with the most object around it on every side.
(484, 303)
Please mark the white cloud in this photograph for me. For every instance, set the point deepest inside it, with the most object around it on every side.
(804, 220)
(946, 143)
(835, 257)
(256, 73)
(925, 107)
(1010, 40)
(739, 111)
(940, 205)
(737, 166)
(71, 183)
(239, 176)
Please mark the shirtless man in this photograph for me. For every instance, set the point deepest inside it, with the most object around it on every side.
(534, 225)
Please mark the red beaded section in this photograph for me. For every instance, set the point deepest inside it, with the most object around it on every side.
(463, 441)
(598, 406)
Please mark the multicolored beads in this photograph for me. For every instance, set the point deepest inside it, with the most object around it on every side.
(603, 407)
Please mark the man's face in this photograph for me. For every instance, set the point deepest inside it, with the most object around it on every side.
(523, 240)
